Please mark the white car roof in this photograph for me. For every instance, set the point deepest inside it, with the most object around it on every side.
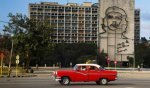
(89, 65)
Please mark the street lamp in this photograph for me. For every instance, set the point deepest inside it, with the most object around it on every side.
(11, 52)
(98, 36)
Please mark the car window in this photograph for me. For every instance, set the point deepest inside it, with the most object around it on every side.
(93, 68)
(83, 68)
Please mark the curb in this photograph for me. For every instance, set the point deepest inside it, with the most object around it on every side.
(133, 72)
(19, 76)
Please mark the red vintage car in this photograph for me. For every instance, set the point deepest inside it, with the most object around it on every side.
(85, 73)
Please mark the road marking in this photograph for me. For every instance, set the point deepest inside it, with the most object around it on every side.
(22, 83)
(129, 87)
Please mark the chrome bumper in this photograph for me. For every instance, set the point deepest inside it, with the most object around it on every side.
(57, 78)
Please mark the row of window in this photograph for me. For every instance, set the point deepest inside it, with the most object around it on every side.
(74, 29)
(72, 22)
(65, 21)
(63, 14)
(137, 12)
(65, 18)
(65, 11)
(87, 35)
(61, 8)
(69, 41)
(73, 38)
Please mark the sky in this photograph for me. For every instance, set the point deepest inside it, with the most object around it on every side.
(21, 6)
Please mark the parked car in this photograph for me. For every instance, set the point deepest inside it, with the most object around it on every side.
(29, 70)
(85, 73)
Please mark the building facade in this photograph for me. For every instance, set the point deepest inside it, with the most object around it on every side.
(137, 27)
(71, 23)
(117, 29)
(75, 23)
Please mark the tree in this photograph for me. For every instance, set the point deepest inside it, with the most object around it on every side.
(131, 60)
(146, 57)
(5, 46)
(29, 36)
(142, 55)
(102, 60)
(144, 40)
(139, 51)
(75, 53)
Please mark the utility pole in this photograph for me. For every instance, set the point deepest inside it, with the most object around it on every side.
(98, 37)
(11, 52)
(1, 57)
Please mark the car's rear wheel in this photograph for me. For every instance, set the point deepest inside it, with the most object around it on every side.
(103, 81)
(65, 81)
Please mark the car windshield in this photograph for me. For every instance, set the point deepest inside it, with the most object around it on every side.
(75, 67)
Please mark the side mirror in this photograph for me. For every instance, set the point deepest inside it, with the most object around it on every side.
(102, 68)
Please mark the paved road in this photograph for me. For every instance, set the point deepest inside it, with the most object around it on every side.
(126, 80)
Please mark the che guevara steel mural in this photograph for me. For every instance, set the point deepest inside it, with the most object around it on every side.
(115, 20)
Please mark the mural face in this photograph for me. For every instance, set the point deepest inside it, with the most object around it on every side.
(116, 22)
(115, 19)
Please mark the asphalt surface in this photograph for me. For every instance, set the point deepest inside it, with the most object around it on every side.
(125, 80)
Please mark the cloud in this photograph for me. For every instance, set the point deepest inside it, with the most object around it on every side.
(145, 16)
(145, 23)
(145, 29)
(145, 26)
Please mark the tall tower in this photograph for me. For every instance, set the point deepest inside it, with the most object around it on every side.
(116, 28)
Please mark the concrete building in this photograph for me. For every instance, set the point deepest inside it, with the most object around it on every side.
(117, 29)
(137, 27)
(75, 23)
(72, 23)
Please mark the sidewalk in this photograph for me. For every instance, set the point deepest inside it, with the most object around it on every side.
(13, 76)
(19, 74)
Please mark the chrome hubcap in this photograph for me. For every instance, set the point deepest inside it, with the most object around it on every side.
(66, 81)
(104, 81)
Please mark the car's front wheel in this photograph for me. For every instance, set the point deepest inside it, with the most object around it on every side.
(103, 81)
(65, 81)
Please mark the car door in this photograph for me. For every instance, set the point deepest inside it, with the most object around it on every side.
(81, 74)
(93, 73)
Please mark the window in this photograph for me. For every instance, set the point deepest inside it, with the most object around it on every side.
(81, 68)
(93, 68)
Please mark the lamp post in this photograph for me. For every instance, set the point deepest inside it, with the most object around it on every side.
(11, 52)
(98, 36)
(134, 62)
(1, 57)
